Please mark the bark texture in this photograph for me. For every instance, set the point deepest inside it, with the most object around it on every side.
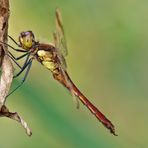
(6, 66)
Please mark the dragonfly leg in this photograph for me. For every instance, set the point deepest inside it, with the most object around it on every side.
(12, 56)
(24, 65)
(28, 66)
(16, 58)
(20, 57)
(15, 49)
(13, 40)
(15, 61)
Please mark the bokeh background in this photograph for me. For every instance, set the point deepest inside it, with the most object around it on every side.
(108, 42)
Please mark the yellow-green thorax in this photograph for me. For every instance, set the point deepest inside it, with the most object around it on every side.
(47, 59)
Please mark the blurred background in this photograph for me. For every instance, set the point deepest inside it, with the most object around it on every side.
(107, 42)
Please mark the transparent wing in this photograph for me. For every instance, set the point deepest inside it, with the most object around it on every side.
(63, 67)
(61, 47)
(60, 35)
(59, 54)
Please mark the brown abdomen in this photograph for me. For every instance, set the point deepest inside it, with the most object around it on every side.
(100, 116)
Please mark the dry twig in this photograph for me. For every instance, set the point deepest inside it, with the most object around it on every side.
(6, 68)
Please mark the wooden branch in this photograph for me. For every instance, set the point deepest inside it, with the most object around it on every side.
(15, 116)
(7, 68)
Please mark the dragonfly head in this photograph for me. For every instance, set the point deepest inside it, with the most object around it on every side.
(27, 39)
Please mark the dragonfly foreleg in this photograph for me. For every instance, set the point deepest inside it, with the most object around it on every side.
(15, 49)
(13, 40)
(28, 66)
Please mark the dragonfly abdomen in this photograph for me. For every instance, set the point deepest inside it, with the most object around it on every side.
(107, 123)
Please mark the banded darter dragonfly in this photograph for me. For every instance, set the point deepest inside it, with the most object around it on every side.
(52, 57)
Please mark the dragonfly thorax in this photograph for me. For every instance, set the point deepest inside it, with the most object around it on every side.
(27, 40)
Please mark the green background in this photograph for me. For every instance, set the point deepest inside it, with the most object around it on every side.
(108, 42)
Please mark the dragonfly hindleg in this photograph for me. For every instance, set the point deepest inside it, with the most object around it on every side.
(28, 66)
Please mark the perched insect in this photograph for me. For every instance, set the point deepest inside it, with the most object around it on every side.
(53, 58)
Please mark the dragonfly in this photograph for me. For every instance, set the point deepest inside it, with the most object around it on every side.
(52, 57)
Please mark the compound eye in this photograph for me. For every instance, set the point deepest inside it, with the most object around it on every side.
(22, 34)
